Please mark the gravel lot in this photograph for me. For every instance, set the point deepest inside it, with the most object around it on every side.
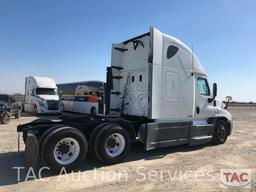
(142, 171)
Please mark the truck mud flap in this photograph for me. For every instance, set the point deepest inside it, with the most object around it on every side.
(31, 156)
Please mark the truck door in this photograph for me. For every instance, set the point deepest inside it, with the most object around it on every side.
(203, 109)
(201, 132)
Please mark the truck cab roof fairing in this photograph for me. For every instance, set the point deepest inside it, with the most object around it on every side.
(44, 82)
(156, 52)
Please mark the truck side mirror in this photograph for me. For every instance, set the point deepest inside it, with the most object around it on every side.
(214, 94)
(61, 93)
(214, 90)
(33, 92)
(228, 99)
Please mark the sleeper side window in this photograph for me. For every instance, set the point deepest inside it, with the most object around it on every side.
(133, 78)
(202, 86)
(171, 51)
(140, 78)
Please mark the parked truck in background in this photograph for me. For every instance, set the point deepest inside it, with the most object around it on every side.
(157, 93)
(41, 95)
(82, 97)
(9, 107)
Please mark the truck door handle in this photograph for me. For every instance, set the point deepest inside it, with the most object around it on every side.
(197, 110)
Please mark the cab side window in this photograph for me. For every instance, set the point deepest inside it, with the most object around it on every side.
(202, 87)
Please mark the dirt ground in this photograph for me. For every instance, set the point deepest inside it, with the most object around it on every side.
(180, 168)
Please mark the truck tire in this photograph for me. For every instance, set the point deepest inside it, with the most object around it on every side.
(66, 148)
(92, 138)
(47, 132)
(112, 144)
(17, 115)
(6, 118)
(220, 133)
(42, 138)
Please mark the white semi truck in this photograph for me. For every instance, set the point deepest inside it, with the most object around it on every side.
(157, 93)
(41, 95)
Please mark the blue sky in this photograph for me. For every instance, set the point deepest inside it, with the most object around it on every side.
(71, 40)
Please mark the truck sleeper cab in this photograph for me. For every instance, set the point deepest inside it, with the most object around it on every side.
(157, 92)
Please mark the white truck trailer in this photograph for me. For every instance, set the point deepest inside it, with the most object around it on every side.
(157, 92)
(41, 96)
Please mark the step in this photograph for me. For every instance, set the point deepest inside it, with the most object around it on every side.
(199, 130)
(204, 125)
(201, 137)
(116, 92)
(117, 77)
(199, 140)
(117, 67)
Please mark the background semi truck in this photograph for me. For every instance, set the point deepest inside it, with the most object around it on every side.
(41, 95)
(157, 93)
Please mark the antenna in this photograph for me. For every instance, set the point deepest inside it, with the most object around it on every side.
(192, 48)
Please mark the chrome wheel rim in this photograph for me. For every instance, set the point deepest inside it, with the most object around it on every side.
(66, 151)
(115, 145)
